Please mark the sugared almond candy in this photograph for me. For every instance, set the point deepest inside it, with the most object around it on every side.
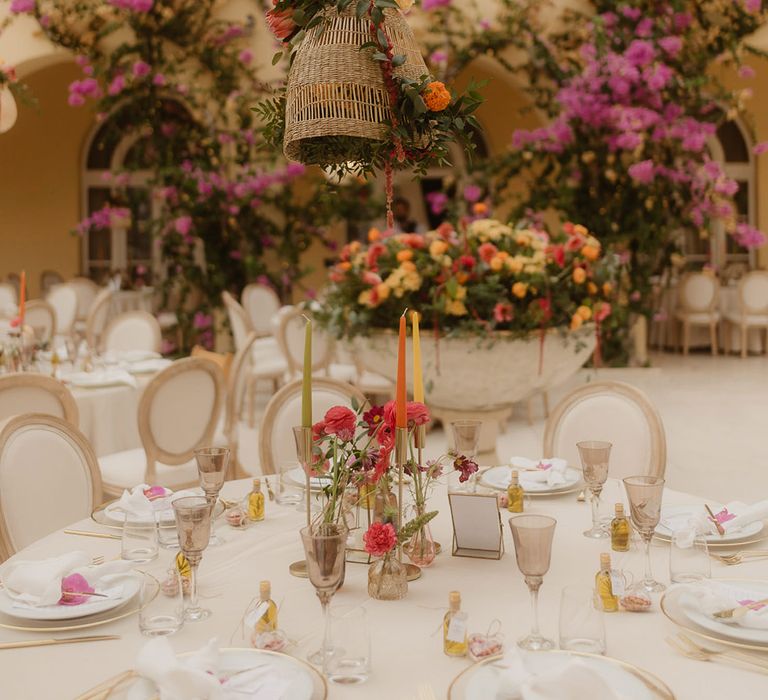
(635, 603)
(503, 500)
(271, 641)
(481, 646)
(236, 517)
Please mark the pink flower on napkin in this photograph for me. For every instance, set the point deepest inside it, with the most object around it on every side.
(724, 516)
(544, 465)
(747, 601)
(73, 584)
(154, 492)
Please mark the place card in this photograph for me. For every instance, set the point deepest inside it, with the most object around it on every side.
(477, 529)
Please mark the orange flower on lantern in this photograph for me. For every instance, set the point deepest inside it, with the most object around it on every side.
(281, 22)
(436, 96)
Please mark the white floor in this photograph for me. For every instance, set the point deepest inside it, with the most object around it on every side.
(715, 413)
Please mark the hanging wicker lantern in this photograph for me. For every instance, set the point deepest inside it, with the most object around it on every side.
(336, 93)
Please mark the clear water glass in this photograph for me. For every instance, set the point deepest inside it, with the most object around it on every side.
(287, 492)
(162, 606)
(139, 542)
(582, 627)
(688, 558)
(349, 662)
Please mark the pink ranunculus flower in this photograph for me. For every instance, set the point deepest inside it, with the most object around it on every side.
(70, 586)
(603, 311)
(245, 56)
(158, 79)
(642, 172)
(75, 99)
(760, 148)
(416, 414)
(380, 539)
(486, 251)
(340, 421)
(22, 6)
(503, 312)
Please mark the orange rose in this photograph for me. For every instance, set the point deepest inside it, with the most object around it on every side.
(519, 289)
(590, 252)
(436, 96)
(592, 288)
(345, 265)
(373, 235)
(585, 312)
(607, 289)
(576, 321)
(479, 208)
(579, 275)
(405, 254)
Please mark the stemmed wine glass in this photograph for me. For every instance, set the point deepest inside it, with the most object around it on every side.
(193, 523)
(594, 461)
(644, 493)
(212, 463)
(466, 439)
(325, 547)
(533, 535)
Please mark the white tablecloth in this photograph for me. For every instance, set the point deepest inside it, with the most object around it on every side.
(108, 416)
(406, 641)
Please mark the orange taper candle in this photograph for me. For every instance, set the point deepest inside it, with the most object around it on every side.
(401, 420)
(22, 295)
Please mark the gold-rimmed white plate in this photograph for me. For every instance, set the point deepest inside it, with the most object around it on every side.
(712, 543)
(686, 512)
(126, 610)
(571, 487)
(308, 683)
(671, 607)
(102, 516)
(480, 681)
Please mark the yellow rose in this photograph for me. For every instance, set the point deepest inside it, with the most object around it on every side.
(585, 312)
(437, 248)
(519, 289)
(382, 290)
(454, 307)
(514, 265)
(496, 263)
(354, 247)
(576, 322)
(580, 230)
(523, 239)
(579, 275)
(407, 266)
(364, 297)
(461, 293)
(607, 289)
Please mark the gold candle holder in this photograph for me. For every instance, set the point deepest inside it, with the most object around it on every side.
(412, 571)
(303, 438)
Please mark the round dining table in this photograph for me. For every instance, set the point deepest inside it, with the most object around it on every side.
(406, 635)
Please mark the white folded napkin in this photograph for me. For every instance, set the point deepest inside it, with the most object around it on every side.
(573, 681)
(714, 596)
(698, 520)
(550, 470)
(194, 677)
(135, 502)
(38, 583)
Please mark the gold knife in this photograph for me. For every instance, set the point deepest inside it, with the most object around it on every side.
(87, 533)
(63, 640)
(739, 610)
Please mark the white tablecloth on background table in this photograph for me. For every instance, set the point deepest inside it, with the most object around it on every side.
(406, 640)
(108, 415)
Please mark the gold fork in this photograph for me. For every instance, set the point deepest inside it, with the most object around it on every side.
(686, 646)
(738, 557)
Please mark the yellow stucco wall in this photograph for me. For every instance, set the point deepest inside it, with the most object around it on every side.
(40, 193)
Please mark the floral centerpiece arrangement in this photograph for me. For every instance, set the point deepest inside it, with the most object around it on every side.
(489, 277)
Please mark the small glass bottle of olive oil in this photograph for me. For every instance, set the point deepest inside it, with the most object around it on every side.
(620, 530)
(605, 597)
(515, 494)
(256, 502)
(455, 627)
(268, 621)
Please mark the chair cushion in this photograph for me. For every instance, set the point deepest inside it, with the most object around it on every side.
(224, 361)
(698, 317)
(128, 468)
(269, 368)
(751, 319)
